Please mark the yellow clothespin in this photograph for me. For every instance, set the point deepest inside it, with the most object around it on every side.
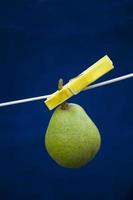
(77, 84)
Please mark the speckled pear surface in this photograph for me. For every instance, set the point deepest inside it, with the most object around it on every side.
(72, 139)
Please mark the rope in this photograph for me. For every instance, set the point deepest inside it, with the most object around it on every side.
(87, 88)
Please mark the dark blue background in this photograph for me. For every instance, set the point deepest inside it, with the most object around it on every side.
(41, 41)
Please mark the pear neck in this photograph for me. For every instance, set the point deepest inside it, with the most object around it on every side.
(65, 106)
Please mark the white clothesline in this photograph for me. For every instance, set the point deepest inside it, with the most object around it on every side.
(87, 88)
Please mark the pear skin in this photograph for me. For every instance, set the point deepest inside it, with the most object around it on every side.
(72, 139)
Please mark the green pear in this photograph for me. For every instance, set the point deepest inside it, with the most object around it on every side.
(72, 139)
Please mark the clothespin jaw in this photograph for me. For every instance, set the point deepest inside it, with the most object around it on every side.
(77, 84)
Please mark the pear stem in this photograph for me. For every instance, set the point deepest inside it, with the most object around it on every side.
(64, 105)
